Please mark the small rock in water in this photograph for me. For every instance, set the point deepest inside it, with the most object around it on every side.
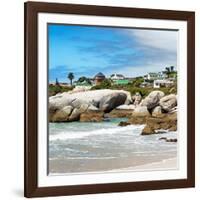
(147, 130)
(163, 138)
(161, 131)
(171, 140)
(168, 140)
(124, 124)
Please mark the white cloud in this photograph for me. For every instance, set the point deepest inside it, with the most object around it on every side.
(161, 39)
(134, 71)
(162, 43)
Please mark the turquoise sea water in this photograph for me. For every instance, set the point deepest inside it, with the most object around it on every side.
(81, 146)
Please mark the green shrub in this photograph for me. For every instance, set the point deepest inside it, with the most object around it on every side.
(105, 84)
(55, 89)
(83, 78)
(137, 81)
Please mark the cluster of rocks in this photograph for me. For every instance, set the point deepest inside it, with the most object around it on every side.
(86, 106)
(167, 122)
(157, 112)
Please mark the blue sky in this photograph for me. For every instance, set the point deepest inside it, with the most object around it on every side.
(87, 50)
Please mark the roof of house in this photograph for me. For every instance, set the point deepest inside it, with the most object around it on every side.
(118, 75)
(153, 73)
(122, 82)
(100, 75)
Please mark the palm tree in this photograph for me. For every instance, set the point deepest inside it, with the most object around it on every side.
(167, 71)
(171, 68)
(57, 82)
(70, 77)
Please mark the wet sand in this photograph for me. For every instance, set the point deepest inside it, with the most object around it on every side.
(142, 163)
(167, 164)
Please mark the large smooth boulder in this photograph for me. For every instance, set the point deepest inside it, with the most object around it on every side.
(93, 97)
(58, 102)
(75, 115)
(168, 102)
(61, 115)
(152, 100)
(105, 99)
(157, 112)
(111, 101)
(77, 103)
(83, 107)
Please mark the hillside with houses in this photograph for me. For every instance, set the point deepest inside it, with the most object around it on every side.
(165, 81)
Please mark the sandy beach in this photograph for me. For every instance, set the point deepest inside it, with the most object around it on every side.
(99, 167)
(168, 164)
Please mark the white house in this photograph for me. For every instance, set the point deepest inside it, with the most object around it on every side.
(155, 76)
(162, 83)
(117, 77)
(145, 84)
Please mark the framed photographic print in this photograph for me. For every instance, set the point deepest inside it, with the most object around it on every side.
(109, 99)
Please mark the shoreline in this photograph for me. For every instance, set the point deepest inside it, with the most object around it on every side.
(167, 163)
(115, 157)
(163, 165)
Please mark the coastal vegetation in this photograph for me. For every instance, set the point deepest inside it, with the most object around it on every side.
(133, 87)
(57, 88)
(84, 79)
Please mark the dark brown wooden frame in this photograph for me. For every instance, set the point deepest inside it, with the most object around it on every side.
(31, 188)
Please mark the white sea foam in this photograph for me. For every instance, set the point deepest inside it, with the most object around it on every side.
(84, 143)
(82, 134)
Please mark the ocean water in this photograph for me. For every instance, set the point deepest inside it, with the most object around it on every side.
(76, 147)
